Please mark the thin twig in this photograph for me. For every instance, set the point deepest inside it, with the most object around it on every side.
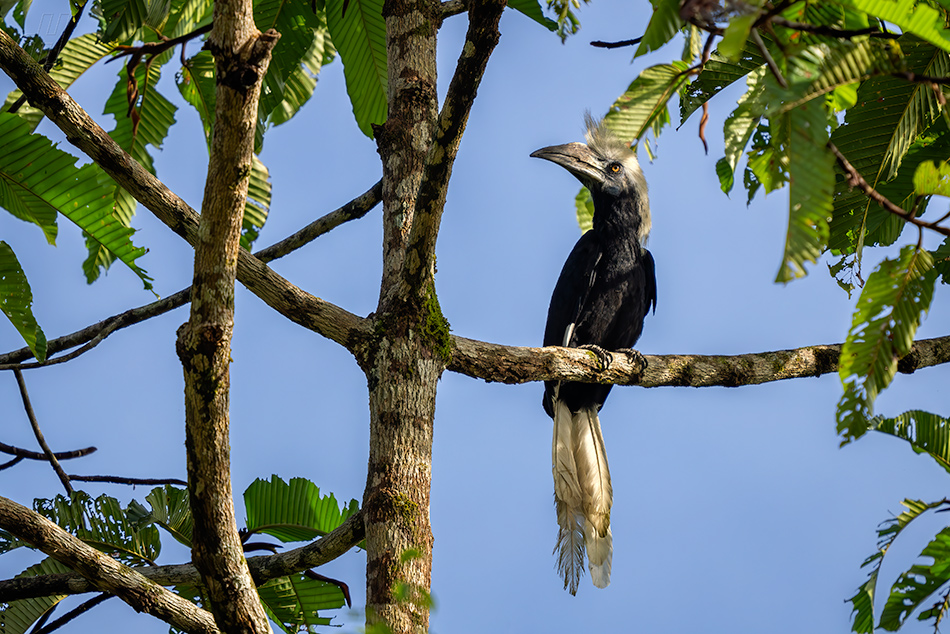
(35, 455)
(79, 610)
(768, 58)
(856, 180)
(921, 79)
(39, 433)
(92, 335)
(129, 481)
(620, 44)
(11, 463)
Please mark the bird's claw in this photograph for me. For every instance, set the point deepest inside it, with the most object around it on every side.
(636, 359)
(603, 357)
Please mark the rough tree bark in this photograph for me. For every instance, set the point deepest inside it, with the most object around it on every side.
(242, 55)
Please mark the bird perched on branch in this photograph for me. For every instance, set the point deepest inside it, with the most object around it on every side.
(603, 294)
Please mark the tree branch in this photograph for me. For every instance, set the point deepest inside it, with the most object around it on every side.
(79, 610)
(82, 131)
(480, 41)
(129, 481)
(50, 456)
(511, 364)
(108, 574)
(263, 569)
(35, 455)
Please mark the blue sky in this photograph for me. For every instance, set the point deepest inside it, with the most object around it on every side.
(734, 509)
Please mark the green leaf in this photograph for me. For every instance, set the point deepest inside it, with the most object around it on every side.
(532, 9)
(878, 133)
(737, 32)
(120, 21)
(863, 601)
(102, 524)
(78, 56)
(16, 302)
(584, 206)
(18, 616)
(300, 84)
(918, 18)
(664, 25)
(644, 103)
(171, 510)
(38, 179)
(919, 583)
(360, 38)
(717, 74)
(196, 84)
(740, 125)
(257, 204)
(292, 512)
(296, 22)
(811, 180)
(927, 433)
(882, 331)
(932, 178)
(293, 602)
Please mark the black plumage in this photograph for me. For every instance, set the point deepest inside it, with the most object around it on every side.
(602, 296)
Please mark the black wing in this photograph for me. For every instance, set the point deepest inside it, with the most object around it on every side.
(649, 269)
(573, 286)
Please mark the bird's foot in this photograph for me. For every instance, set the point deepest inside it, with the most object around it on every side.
(636, 359)
(603, 357)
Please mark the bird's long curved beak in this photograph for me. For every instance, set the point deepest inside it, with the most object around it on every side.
(576, 158)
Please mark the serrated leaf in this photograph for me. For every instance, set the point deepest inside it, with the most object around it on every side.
(664, 24)
(302, 80)
(584, 206)
(811, 180)
(102, 524)
(717, 74)
(120, 21)
(739, 126)
(39, 178)
(16, 302)
(257, 205)
(18, 617)
(919, 583)
(296, 22)
(170, 509)
(360, 38)
(925, 432)
(293, 602)
(645, 101)
(78, 56)
(878, 133)
(863, 601)
(882, 331)
(197, 85)
(292, 511)
(918, 18)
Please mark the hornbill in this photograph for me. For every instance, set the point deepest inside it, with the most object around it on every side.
(601, 298)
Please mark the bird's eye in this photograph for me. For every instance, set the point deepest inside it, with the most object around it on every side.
(615, 168)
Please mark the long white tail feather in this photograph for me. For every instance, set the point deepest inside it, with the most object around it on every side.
(593, 475)
(599, 555)
(583, 496)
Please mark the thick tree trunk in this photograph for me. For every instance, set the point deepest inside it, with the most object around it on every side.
(402, 369)
(242, 55)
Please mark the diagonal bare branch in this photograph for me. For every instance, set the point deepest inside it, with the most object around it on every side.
(40, 439)
(326, 549)
(107, 574)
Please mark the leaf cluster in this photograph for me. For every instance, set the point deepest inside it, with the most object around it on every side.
(845, 104)
(290, 512)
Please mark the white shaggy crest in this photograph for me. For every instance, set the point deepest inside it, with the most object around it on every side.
(602, 141)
